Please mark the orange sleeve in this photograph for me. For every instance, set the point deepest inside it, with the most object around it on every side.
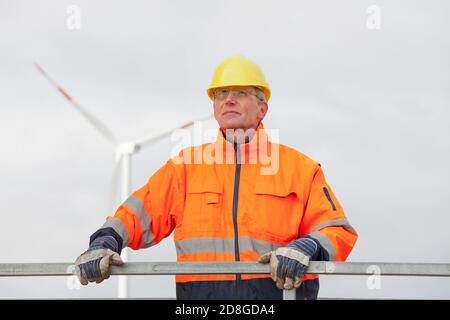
(150, 213)
(324, 219)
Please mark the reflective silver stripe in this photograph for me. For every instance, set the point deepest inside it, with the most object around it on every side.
(293, 254)
(137, 206)
(259, 246)
(335, 223)
(202, 245)
(118, 227)
(213, 245)
(325, 243)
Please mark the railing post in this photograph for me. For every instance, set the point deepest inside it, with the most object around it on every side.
(289, 294)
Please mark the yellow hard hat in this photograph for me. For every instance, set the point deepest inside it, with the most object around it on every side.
(238, 71)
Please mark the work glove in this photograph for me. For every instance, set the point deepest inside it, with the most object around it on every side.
(287, 264)
(93, 265)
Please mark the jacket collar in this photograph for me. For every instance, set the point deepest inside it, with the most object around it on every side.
(258, 144)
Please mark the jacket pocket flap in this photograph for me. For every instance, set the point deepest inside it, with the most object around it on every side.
(278, 190)
(213, 188)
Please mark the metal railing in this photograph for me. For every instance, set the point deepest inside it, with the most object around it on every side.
(172, 268)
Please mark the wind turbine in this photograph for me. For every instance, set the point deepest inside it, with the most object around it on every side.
(124, 152)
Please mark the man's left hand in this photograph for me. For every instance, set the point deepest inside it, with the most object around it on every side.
(287, 264)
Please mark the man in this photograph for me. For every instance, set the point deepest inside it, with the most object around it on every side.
(231, 206)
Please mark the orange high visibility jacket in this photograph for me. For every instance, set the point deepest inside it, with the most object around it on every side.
(228, 202)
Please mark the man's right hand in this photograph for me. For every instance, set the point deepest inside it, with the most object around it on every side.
(93, 265)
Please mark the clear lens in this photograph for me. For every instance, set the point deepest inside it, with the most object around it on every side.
(221, 94)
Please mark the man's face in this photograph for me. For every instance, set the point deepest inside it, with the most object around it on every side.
(238, 108)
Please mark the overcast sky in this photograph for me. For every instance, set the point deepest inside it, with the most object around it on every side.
(371, 105)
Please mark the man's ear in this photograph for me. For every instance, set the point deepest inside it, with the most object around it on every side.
(263, 108)
(214, 111)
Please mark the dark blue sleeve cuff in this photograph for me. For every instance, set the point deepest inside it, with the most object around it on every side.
(321, 254)
(107, 232)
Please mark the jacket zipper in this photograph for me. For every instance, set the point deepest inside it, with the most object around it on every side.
(325, 190)
(237, 177)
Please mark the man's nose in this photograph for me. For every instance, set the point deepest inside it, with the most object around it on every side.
(230, 97)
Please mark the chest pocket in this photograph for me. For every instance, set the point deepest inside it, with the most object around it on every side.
(276, 212)
(203, 208)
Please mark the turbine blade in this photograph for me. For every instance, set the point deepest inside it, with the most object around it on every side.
(155, 137)
(100, 126)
